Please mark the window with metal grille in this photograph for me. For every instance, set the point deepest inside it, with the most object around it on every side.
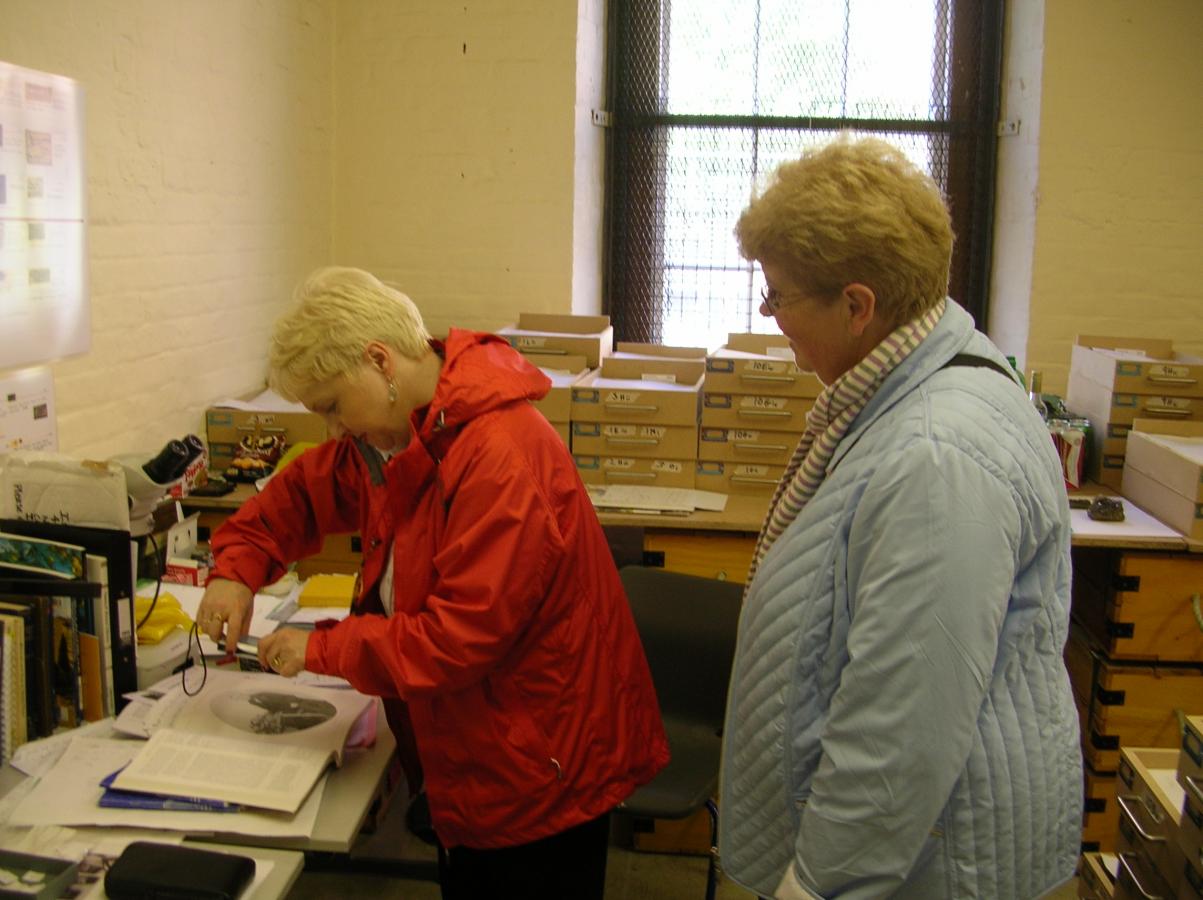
(708, 97)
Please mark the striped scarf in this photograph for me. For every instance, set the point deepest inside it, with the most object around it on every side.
(829, 420)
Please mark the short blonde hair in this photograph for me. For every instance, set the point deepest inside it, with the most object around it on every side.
(338, 312)
(855, 211)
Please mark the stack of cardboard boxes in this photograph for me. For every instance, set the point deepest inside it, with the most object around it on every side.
(565, 347)
(564, 372)
(261, 414)
(1163, 473)
(754, 406)
(1114, 381)
(635, 421)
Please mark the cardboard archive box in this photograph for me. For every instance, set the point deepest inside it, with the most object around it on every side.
(645, 441)
(1163, 472)
(541, 333)
(758, 412)
(674, 473)
(759, 364)
(746, 445)
(1149, 801)
(738, 477)
(664, 351)
(556, 406)
(1115, 380)
(661, 392)
(226, 426)
(1137, 366)
(754, 405)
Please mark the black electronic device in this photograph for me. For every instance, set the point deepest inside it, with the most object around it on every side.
(149, 871)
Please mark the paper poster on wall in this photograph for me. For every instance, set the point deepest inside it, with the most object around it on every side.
(43, 291)
(27, 411)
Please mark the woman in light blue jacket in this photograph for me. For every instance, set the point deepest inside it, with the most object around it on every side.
(900, 721)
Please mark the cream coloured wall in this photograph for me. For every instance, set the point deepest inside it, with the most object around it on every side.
(208, 132)
(234, 145)
(456, 169)
(1118, 226)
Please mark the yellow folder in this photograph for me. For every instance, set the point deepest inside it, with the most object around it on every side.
(328, 590)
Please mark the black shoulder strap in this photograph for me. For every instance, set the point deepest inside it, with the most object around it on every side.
(977, 362)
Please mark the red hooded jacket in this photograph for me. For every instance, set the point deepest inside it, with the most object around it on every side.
(511, 641)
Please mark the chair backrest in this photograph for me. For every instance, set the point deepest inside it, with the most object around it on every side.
(688, 627)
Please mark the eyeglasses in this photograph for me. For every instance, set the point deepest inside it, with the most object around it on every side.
(775, 300)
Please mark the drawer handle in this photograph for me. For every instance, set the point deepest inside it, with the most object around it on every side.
(760, 448)
(1127, 867)
(1157, 409)
(640, 441)
(632, 407)
(766, 413)
(780, 379)
(1194, 605)
(1195, 790)
(1123, 800)
(646, 476)
(1170, 379)
(746, 479)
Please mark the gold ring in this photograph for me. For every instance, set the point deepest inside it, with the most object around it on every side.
(277, 662)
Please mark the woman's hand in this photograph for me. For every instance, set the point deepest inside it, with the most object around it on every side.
(225, 603)
(283, 651)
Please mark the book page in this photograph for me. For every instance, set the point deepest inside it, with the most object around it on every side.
(246, 737)
(69, 792)
(223, 768)
(266, 708)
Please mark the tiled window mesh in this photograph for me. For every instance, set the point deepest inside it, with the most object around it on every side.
(708, 97)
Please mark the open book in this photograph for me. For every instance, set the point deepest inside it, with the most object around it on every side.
(247, 738)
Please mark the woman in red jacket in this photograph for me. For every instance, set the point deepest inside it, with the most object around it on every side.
(491, 617)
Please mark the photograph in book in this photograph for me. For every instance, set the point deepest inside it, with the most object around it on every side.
(28, 554)
(248, 738)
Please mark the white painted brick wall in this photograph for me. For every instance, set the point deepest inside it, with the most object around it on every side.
(1119, 216)
(233, 145)
(455, 167)
(208, 157)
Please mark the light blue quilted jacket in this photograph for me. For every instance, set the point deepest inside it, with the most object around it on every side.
(900, 721)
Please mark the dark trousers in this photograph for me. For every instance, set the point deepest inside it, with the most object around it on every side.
(570, 865)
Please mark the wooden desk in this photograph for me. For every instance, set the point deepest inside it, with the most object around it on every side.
(351, 793)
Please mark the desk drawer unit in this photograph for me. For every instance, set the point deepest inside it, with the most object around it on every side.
(1095, 879)
(1190, 777)
(1128, 704)
(1148, 821)
(1140, 606)
(718, 555)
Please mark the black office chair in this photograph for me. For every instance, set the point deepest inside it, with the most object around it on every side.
(688, 626)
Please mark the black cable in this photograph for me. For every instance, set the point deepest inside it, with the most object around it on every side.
(193, 635)
(158, 585)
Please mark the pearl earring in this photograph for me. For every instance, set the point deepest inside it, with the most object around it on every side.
(392, 392)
